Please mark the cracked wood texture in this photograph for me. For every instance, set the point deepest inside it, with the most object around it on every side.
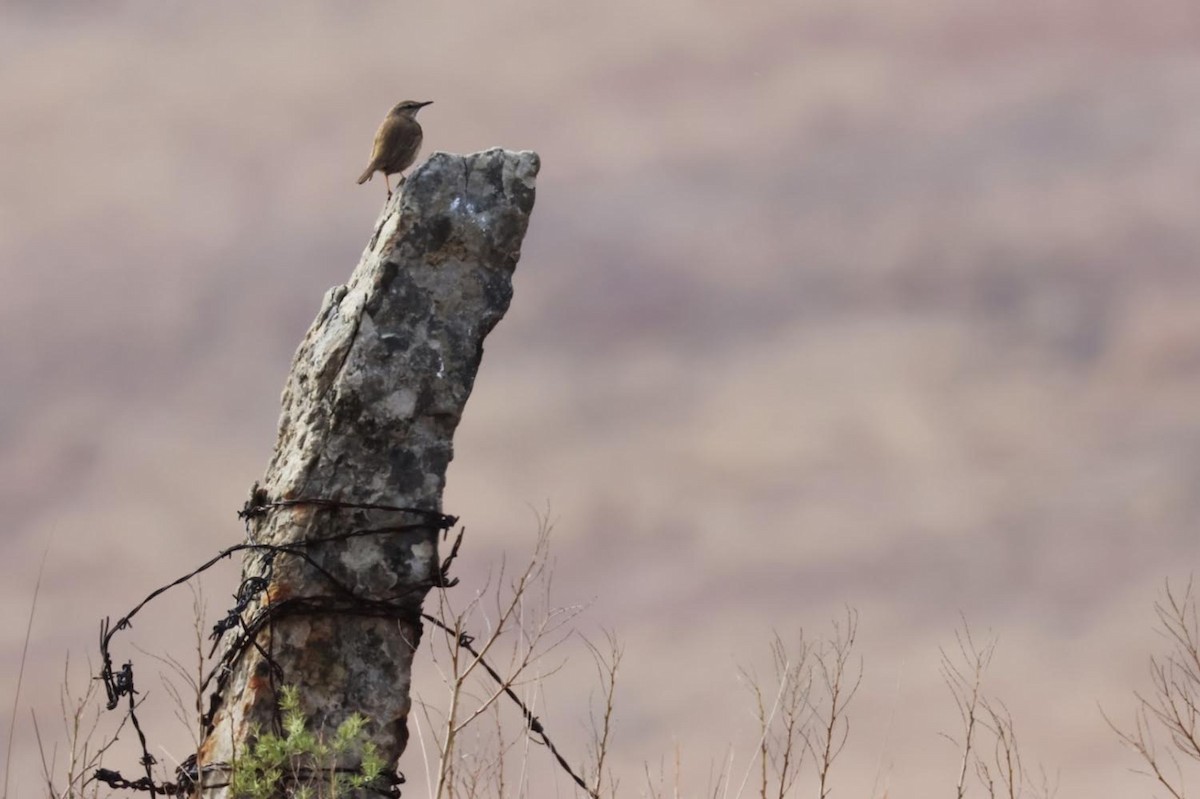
(370, 407)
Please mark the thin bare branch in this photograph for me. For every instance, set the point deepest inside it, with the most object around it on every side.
(963, 676)
(840, 682)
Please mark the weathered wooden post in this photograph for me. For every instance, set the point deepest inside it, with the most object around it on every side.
(353, 494)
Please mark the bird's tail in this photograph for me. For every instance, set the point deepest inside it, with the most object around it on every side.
(366, 175)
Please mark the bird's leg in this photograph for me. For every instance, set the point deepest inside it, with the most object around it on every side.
(387, 183)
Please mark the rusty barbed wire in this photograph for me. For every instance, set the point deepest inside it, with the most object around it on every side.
(119, 683)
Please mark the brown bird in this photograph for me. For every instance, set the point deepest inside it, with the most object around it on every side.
(397, 142)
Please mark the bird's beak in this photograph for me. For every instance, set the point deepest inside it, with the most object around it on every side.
(427, 102)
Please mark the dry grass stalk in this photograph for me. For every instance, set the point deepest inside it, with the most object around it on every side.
(998, 769)
(521, 629)
(1172, 708)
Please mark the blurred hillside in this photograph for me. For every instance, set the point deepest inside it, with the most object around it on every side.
(890, 305)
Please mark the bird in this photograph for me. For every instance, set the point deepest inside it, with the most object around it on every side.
(397, 142)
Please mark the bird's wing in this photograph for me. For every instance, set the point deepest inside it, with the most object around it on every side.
(381, 136)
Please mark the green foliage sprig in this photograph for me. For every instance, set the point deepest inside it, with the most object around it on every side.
(301, 764)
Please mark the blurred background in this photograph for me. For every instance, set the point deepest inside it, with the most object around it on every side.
(824, 303)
